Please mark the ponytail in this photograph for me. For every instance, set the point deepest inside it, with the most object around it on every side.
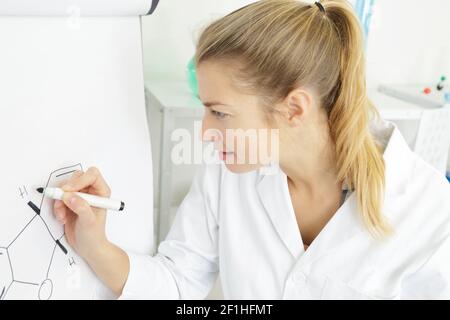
(359, 158)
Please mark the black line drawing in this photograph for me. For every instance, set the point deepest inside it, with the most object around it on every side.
(72, 261)
(30, 273)
(62, 174)
(34, 207)
(23, 191)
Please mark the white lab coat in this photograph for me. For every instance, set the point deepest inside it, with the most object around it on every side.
(244, 225)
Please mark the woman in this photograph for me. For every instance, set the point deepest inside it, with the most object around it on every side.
(342, 208)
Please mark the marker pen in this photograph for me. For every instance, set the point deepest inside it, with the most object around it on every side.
(93, 201)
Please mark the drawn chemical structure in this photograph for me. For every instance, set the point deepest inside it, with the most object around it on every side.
(28, 260)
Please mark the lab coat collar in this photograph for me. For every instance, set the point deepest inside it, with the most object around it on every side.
(346, 222)
(397, 156)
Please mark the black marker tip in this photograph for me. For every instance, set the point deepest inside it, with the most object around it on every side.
(40, 190)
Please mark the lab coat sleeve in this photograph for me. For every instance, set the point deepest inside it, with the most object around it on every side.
(186, 264)
(432, 279)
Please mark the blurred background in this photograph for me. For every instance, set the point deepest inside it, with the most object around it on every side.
(407, 51)
(409, 40)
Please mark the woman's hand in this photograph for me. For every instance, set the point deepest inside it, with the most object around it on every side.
(85, 229)
(84, 225)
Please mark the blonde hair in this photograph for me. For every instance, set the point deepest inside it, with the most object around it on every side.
(284, 44)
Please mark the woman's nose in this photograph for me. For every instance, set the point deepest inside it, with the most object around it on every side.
(209, 133)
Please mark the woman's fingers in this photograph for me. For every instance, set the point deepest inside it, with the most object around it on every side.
(76, 174)
(80, 207)
(60, 211)
(91, 179)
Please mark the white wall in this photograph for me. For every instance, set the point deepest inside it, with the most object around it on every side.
(409, 40)
(169, 34)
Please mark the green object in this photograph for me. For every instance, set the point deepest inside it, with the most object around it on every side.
(443, 78)
(192, 77)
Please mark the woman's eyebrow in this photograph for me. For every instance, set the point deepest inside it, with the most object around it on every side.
(212, 103)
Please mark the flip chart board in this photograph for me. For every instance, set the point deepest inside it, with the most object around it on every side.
(70, 98)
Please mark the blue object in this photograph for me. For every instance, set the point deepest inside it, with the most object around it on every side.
(363, 9)
(447, 97)
(192, 77)
(448, 177)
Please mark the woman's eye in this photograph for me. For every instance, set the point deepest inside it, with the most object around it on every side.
(219, 115)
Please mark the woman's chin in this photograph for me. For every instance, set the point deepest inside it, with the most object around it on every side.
(242, 168)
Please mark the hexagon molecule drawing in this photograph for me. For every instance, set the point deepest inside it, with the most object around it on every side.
(28, 259)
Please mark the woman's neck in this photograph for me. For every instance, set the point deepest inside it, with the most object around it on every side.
(312, 167)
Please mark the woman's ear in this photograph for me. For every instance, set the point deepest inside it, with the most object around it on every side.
(296, 106)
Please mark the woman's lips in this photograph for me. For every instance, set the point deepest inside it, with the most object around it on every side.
(224, 155)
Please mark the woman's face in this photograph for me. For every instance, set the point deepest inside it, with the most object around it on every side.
(234, 121)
